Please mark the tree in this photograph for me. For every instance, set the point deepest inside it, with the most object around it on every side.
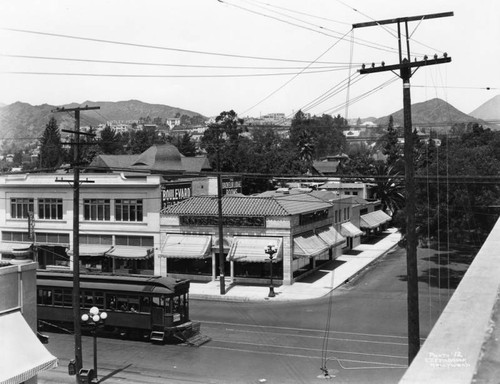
(325, 134)
(51, 150)
(222, 136)
(186, 145)
(145, 138)
(454, 199)
(391, 147)
(109, 143)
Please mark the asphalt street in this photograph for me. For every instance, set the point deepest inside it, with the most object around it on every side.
(359, 331)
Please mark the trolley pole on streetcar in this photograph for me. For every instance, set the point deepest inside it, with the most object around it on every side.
(405, 68)
(76, 231)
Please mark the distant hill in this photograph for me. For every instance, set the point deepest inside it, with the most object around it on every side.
(22, 120)
(431, 113)
(489, 110)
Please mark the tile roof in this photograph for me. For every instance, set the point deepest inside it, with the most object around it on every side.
(285, 205)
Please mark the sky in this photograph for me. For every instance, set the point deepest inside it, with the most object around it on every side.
(252, 56)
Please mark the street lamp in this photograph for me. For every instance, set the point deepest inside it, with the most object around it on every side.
(271, 250)
(94, 318)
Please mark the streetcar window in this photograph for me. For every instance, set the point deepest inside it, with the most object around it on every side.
(111, 302)
(159, 301)
(67, 298)
(176, 304)
(122, 303)
(58, 297)
(44, 296)
(133, 302)
(99, 300)
(87, 299)
(145, 304)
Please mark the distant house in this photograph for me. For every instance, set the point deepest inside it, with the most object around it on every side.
(158, 159)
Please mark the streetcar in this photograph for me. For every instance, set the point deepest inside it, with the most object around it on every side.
(152, 306)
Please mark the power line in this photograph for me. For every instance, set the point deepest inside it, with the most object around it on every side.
(166, 76)
(137, 45)
(330, 66)
(320, 31)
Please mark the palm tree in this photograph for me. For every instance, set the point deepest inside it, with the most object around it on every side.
(389, 187)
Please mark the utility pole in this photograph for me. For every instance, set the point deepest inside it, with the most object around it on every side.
(405, 66)
(76, 231)
(220, 218)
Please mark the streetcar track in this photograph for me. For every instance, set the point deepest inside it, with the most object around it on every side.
(309, 349)
(307, 356)
(320, 337)
(299, 329)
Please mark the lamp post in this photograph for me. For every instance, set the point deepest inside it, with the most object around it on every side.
(271, 250)
(95, 319)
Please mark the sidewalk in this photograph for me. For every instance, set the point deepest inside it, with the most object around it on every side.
(317, 285)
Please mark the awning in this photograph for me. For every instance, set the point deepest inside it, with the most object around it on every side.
(374, 219)
(93, 250)
(23, 355)
(252, 249)
(330, 236)
(186, 246)
(129, 252)
(308, 245)
(16, 249)
(348, 229)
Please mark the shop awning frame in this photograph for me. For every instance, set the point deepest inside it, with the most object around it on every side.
(348, 229)
(374, 219)
(248, 249)
(24, 355)
(129, 252)
(308, 245)
(183, 246)
(91, 250)
(330, 236)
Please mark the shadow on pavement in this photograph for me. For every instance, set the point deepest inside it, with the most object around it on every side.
(111, 374)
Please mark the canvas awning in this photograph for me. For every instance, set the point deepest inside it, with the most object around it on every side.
(330, 236)
(129, 252)
(186, 246)
(348, 229)
(16, 249)
(92, 250)
(308, 245)
(23, 355)
(252, 249)
(374, 219)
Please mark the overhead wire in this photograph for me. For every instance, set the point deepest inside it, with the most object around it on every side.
(319, 29)
(294, 77)
(157, 47)
(121, 62)
(307, 72)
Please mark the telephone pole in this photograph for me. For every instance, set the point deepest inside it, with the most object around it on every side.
(76, 230)
(405, 68)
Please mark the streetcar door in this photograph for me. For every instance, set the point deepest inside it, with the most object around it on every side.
(157, 317)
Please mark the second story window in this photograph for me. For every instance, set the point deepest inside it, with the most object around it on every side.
(128, 210)
(19, 208)
(97, 209)
(50, 209)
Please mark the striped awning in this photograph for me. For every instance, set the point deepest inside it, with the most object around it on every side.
(91, 250)
(24, 356)
(330, 236)
(186, 246)
(348, 229)
(129, 252)
(16, 249)
(374, 219)
(252, 249)
(308, 245)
